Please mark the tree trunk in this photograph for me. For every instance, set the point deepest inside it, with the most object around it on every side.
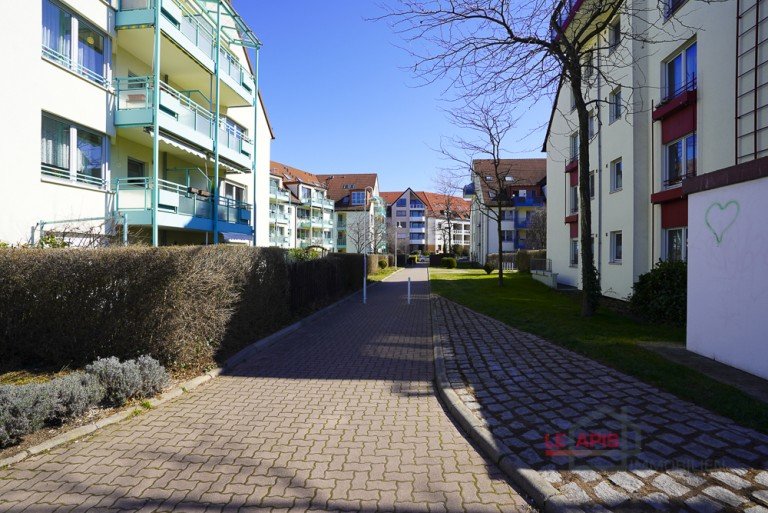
(501, 245)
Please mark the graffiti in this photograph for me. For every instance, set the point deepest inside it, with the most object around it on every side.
(719, 218)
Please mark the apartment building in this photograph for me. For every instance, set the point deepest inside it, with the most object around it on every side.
(523, 193)
(301, 212)
(427, 221)
(137, 116)
(360, 212)
(663, 116)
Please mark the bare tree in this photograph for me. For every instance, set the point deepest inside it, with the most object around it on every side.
(490, 126)
(447, 185)
(379, 232)
(515, 52)
(536, 235)
(358, 232)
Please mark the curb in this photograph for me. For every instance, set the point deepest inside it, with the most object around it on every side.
(549, 499)
(232, 362)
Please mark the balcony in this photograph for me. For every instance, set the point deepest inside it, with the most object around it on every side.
(528, 201)
(325, 203)
(278, 240)
(304, 222)
(682, 97)
(522, 224)
(279, 195)
(572, 165)
(179, 206)
(278, 218)
(179, 115)
(192, 31)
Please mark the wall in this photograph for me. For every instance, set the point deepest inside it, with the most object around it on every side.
(727, 275)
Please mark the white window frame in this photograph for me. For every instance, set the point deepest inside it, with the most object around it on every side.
(573, 253)
(684, 171)
(614, 35)
(617, 164)
(574, 146)
(573, 199)
(357, 194)
(72, 174)
(614, 105)
(616, 258)
(683, 54)
(665, 242)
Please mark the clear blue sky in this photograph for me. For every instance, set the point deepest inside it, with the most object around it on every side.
(339, 99)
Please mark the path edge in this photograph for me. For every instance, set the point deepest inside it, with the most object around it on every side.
(233, 361)
(546, 496)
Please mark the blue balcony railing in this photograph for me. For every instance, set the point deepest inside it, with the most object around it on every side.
(67, 62)
(528, 201)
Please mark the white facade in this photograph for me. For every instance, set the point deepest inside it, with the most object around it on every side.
(637, 205)
(79, 66)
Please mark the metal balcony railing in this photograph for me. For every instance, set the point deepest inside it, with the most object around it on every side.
(279, 194)
(72, 64)
(541, 264)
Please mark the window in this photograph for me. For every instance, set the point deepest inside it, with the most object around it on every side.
(573, 101)
(591, 124)
(401, 202)
(401, 213)
(680, 160)
(402, 224)
(306, 193)
(507, 215)
(85, 55)
(82, 161)
(614, 35)
(592, 185)
(358, 198)
(574, 146)
(574, 253)
(233, 192)
(614, 105)
(672, 6)
(574, 192)
(676, 244)
(587, 66)
(135, 169)
(680, 72)
(507, 235)
(616, 247)
(616, 175)
(417, 224)
(348, 186)
(417, 236)
(416, 204)
(417, 213)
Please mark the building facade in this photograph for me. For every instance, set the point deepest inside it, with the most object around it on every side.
(657, 122)
(360, 224)
(521, 186)
(138, 117)
(427, 221)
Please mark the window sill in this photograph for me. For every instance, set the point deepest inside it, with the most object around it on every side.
(72, 183)
(615, 262)
(573, 266)
(616, 190)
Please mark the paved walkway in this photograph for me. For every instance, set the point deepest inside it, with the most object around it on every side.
(340, 415)
(604, 439)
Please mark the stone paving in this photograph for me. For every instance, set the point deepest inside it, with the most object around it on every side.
(605, 440)
(338, 416)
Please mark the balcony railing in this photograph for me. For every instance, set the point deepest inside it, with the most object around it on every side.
(677, 180)
(136, 194)
(279, 194)
(528, 201)
(67, 62)
(278, 217)
(322, 202)
(64, 174)
(541, 264)
(278, 239)
(304, 222)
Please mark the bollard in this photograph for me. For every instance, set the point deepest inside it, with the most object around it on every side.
(409, 291)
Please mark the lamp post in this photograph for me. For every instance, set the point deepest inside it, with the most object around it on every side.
(365, 242)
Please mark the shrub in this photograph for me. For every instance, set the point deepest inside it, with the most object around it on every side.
(488, 267)
(448, 262)
(412, 259)
(660, 295)
(301, 255)
(13, 423)
(154, 377)
(383, 263)
(469, 265)
(73, 395)
(121, 381)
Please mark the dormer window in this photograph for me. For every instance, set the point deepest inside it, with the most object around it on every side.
(358, 198)
(348, 186)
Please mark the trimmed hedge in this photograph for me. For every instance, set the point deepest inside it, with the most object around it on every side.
(493, 259)
(184, 306)
(523, 258)
(448, 262)
(661, 295)
(469, 265)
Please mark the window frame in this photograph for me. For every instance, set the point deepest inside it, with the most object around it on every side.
(686, 83)
(573, 197)
(356, 194)
(617, 164)
(617, 256)
(573, 252)
(684, 247)
(614, 106)
(72, 174)
(667, 181)
(614, 35)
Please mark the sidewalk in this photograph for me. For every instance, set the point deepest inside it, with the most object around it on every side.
(338, 416)
(603, 439)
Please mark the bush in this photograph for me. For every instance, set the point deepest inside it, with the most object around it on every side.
(73, 395)
(469, 265)
(448, 262)
(383, 263)
(13, 423)
(301, 255)
(154, 377)
(412, 259)
(121, 381)
(488, 267)
(493, 258)
(660, 295)
(523, 258)
(184, 306)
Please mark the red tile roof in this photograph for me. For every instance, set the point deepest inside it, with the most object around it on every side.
(294, 175)
(341, 185)
(390, 197)
(437, 203)
(523, 173)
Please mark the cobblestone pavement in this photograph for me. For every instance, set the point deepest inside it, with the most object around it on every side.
(671, 455)
(340, 415)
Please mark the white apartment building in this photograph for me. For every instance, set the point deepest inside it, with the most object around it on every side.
(664, 115)
(427, 221)
(524, 193)
(301, 212)
(360, 212)
(137, 114)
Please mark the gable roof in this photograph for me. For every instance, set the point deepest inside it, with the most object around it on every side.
(340, 186)
(523, 173)
(391, 197)
(294, 175)
(437, 203)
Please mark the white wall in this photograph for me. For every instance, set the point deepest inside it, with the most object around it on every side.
(728, 279)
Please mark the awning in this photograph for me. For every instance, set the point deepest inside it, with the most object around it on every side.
(184, 147)
(236, 237)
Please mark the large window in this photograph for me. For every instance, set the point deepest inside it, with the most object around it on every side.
(680, 72)
(574, 253)
(401, 213)
(401, 202)
(614, 105)
(416, 204)
(86, 55)
(617, 175)
(680, 160)
(417, 213)
(617, 249)
(508, 235)
(614, 35)
(574, 199)
(82, 161)
(358, 198)
(418, 224)
(676, 244)
(574, 146)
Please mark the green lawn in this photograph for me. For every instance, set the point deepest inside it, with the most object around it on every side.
(381, 274)
(608, 337)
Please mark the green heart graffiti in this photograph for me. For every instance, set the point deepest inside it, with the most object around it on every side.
(720, 220)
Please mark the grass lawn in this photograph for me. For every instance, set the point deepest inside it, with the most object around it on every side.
(608, 337)
(381, 274)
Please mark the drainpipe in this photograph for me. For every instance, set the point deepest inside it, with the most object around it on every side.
(216, 121)
(255, 138)
(156, 129)
(599, 243)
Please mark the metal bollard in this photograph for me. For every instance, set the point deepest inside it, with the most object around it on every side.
(409, 291)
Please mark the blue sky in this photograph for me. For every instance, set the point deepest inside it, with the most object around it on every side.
(339, 99)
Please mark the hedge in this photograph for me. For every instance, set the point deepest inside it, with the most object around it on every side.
(448, 262)
(661, 295)
(523, 258)
(184, 306)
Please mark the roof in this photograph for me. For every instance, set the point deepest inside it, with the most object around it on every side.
(437, 203)
(390, 197)
(339, 187)
(523, 173)
(294, 175)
